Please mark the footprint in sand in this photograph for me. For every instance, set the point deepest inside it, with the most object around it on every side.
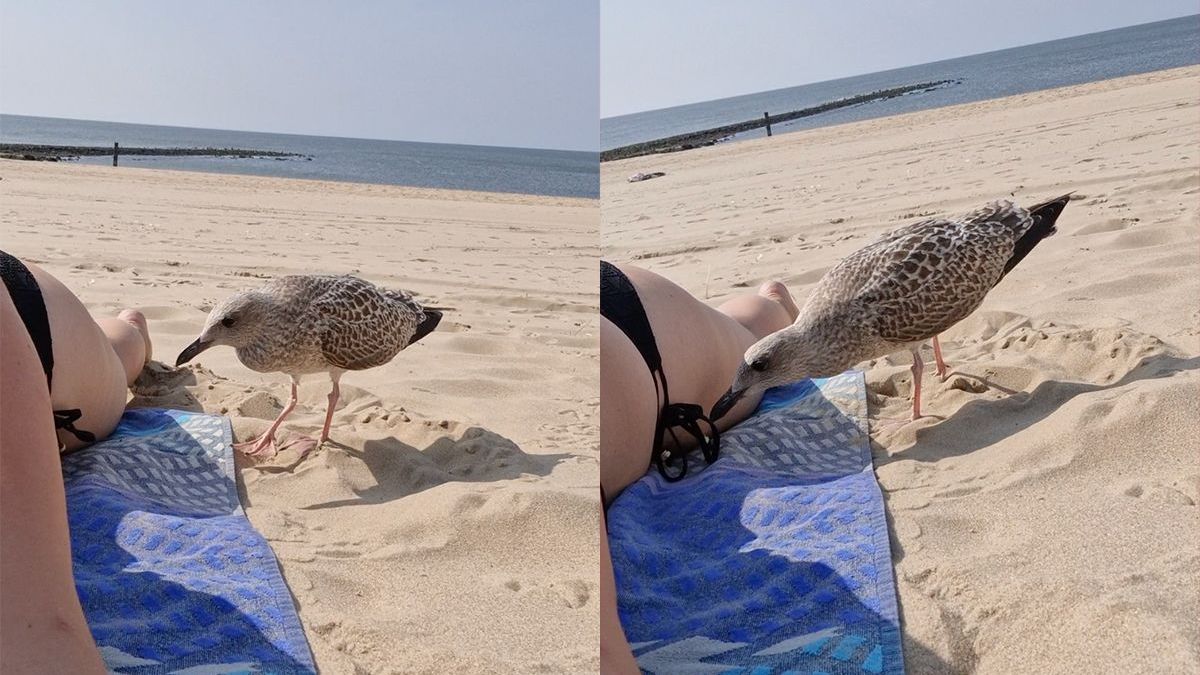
(1154, 492)
(574, 593)
(1012, 363)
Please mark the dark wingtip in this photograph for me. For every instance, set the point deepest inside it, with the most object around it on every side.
(432, 318)
(1048, 211)
(1044, 216)
(1051, 208)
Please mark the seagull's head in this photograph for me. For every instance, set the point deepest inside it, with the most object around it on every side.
(234, 323)
(783, 357)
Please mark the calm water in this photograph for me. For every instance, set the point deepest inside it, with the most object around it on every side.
(433, 165)
(1086, 58)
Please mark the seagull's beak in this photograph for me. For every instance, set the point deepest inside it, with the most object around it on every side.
(725, 404)
(191, 351)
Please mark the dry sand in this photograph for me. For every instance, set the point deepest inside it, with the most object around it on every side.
(451, 525)
(1045, 515)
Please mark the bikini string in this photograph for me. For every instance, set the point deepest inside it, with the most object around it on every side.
(686, 416)
(66, 419)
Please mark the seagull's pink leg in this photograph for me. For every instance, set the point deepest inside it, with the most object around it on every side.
(918, 367)
(937, 355)
(267, 441)
(333, 399)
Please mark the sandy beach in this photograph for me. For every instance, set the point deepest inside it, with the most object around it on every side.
(450, 525)
(1045, 512)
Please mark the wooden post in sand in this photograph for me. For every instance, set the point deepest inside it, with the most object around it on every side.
(767, 117)
(116, 149)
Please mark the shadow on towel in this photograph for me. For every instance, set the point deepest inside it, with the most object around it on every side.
(775, 558)
(169, 571)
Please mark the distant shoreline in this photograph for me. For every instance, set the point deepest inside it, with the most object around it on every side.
(58, 153)
(435, 166)
(1161, 45)
(704, 137)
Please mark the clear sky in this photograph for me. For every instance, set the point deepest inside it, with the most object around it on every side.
(661, 53)
(504, 72)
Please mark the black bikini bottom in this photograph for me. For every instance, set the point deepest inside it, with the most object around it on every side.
(27, 298)
(620, 304)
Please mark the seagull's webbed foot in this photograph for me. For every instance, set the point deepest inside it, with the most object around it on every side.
(303, 444)
(262, 448)
(265, 447)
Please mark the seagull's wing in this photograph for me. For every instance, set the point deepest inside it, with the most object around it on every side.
(919, 280)
(359, 326)
(860, 269)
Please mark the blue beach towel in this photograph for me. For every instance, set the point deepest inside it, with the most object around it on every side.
(171, 574)
(775, 559)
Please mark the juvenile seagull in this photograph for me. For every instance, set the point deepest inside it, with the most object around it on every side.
(902, 289)
(311, 324)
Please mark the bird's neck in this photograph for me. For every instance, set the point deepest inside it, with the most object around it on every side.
(830, 344)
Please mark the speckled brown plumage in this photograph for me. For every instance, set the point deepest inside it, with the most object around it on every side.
(899, 291)
(310, 324)
(914, 282)
(323, 322)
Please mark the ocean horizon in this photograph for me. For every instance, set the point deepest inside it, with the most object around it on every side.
(1016, 70)
(535, 171)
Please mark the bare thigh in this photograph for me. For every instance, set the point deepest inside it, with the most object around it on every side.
(42, 628)
(628, 416)
(87, 374)
(700, 345)
(628, 410)
(700, 348)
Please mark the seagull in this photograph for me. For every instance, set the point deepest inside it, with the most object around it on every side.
(311, 324)
(898, 292)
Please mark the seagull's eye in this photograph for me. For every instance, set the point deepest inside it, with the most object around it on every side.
(759, 364)
(228, 321)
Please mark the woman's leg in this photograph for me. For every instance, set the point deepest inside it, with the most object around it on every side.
(94, 361)
(129, 337)
(628, 410)
(42, 629)
(700, 347)
(771, 309)
(616, 657)
(628, 415)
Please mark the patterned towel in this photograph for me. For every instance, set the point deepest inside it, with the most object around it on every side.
(773, 560)
(171, 574)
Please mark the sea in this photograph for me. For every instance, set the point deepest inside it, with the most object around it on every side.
(1085, 58)
(561, 173)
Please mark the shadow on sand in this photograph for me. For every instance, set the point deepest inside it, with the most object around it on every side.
(400, 470)
(975, 425)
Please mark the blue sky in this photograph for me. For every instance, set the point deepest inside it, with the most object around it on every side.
(660, 53)
(516, 73)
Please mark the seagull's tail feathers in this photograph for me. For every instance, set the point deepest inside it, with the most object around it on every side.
(432, 318)
(1044, 217)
